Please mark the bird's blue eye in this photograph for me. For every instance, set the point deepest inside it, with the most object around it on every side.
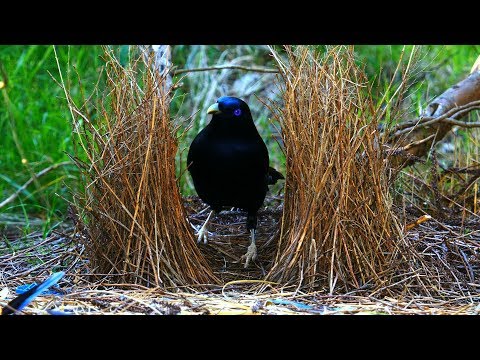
(237, 112)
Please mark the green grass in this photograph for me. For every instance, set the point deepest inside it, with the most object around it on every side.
(35, 120)
(35, 124)
(439, 67)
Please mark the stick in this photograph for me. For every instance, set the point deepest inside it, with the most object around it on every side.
(222, 67)
(32, 179)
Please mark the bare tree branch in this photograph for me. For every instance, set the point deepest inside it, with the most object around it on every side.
(454, 112)
(416, 143)
(222, 67)
(447, 118)
(464, 124)
(162, 55)
(462, 93)
(441, 115)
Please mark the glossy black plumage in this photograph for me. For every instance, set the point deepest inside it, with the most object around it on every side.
(229, 162)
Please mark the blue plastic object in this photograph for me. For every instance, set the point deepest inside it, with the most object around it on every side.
(30, 292)
(297, 304)
(24, 288)
(52, 280)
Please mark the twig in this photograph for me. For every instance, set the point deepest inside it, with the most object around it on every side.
(423, 183)
(464, 124)
(430, 122)
(468, 267)
(43, 266)
(32, 179)
(416, 143)
(222, 67)
(405, 127)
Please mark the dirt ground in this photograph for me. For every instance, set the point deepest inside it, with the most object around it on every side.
(28, 258)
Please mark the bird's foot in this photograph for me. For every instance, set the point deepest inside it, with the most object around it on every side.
(250, 255)
(202, 234)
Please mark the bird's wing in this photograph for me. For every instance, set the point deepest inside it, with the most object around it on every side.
(274, 176)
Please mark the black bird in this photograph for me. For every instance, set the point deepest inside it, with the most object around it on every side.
(229, 165)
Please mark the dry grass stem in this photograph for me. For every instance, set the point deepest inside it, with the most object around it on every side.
(131, 206)
(338, 230)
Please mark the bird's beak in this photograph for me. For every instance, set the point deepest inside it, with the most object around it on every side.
(213, 109)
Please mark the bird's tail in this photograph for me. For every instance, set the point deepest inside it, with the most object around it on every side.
(274, 176)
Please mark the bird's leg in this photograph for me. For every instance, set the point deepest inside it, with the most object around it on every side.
(203, 232)
(252, 249)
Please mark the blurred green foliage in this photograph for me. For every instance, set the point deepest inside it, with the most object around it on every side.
(35, 119)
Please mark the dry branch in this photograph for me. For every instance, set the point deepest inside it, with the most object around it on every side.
(440, 116)
(222, 67)
(162, 61)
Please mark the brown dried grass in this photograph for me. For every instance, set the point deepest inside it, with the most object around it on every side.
(446, 248)
(131, 206)
(338, 231)
(136, 253)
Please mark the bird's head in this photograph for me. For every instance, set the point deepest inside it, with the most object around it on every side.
(230, 108)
